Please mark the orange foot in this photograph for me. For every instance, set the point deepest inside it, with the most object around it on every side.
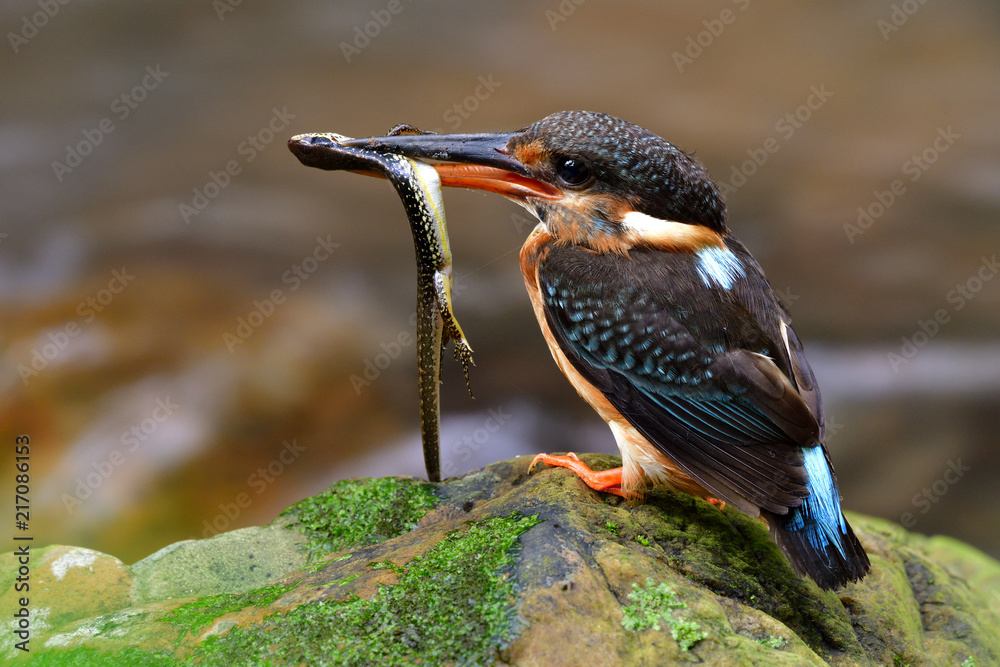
(608, 481)
(719, 504)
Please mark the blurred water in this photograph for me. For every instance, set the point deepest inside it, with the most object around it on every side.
(225, 91)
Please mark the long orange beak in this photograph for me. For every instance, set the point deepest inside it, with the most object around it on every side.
(494, 179)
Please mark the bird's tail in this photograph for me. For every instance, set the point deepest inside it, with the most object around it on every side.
(815, 536)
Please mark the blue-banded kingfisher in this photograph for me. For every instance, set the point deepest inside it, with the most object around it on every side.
(664, 323)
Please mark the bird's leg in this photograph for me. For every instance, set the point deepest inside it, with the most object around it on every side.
(719, 504)
(606, 481)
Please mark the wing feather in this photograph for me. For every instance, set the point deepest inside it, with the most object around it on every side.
(709, 394)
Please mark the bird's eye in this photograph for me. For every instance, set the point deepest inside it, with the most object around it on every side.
(572, 171)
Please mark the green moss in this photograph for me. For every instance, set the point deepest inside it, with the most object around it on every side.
(611, 527)
(643, 540)
(453, 604)
(969, 662)
(653, 604)
(354, 513)
(88, 657)
(733, 555)
(686, 633)
(773, 642)
(195, 615)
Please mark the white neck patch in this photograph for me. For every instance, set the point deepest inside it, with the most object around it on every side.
(671, 235)
(646, 226)
(718, 267)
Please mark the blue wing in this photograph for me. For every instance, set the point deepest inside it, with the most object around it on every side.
(716, 381)
(713, 402)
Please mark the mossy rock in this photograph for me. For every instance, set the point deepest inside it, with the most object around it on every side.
(498, 567)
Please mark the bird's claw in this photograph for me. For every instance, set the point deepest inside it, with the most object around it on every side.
(543, 457)
(605, 481)
(719, 504)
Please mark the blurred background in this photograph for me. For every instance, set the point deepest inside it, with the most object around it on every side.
(196, 330)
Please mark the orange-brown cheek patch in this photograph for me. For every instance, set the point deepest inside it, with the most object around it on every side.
(575, 219)
(530, 153)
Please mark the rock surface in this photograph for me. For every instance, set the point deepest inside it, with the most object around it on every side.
(501, 567)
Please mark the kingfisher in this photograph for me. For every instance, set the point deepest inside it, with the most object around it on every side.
(664, 323)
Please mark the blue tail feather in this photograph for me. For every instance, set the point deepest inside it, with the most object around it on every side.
(819, 517)
(815, 536)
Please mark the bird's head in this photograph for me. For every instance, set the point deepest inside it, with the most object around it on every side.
(592, 179)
